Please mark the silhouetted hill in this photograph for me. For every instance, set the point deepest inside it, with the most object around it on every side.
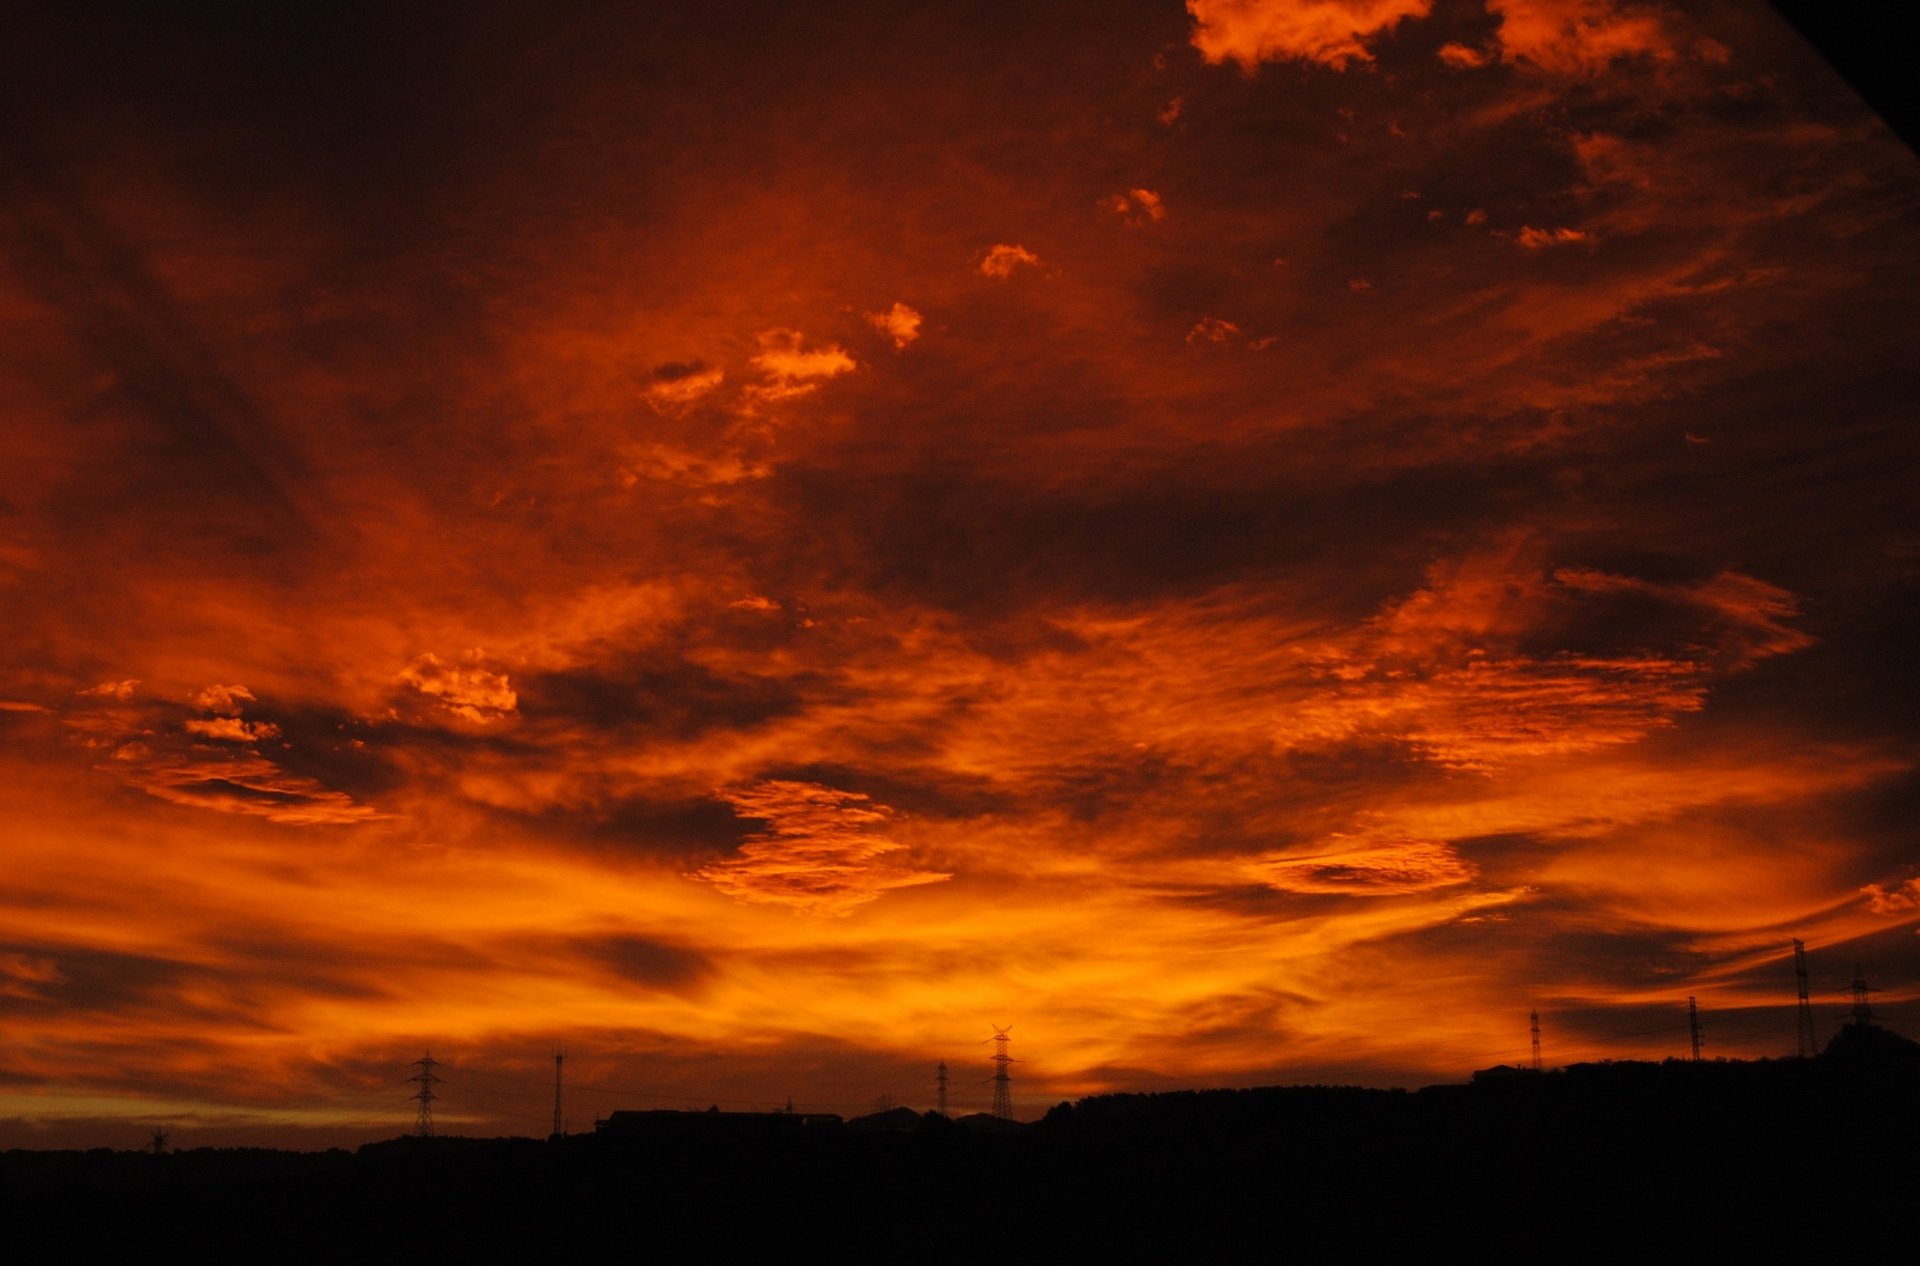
(1867, 1050)
(1621, 1159)
(899, 1120)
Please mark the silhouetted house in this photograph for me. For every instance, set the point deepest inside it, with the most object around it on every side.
(1499, 1072)
(666, 1123)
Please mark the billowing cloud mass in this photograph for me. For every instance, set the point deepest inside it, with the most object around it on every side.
(1332, 32)
(752, 557)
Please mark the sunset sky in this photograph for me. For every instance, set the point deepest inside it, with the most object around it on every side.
(1252, 541)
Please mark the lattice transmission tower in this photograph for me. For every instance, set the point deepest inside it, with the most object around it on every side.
(1534, 1027)
(1002, 1076)
(1808, 1046)
(427, 1079)
(1862, 1008)
(940, 1084)
(1693, 1026)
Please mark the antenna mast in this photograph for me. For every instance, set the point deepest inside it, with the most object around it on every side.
(940, 1080)
(1534, 1018)
(1693, 1026)
(559, 1121)
(423, 1123)
(1808, 1046)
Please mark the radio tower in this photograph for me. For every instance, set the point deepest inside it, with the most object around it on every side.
(1534, 1017)
(1693, 1026)
(1002, 1083)
(559, 1122)
(940, 1080)
(1808, 1046)
(423, 1123)
(1862, 1009)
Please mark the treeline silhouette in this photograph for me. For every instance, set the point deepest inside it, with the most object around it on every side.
(1620, 1158)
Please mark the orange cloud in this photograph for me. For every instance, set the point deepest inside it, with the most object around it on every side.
(1001, 260)
(819, 852)
(221, 700)
(1137, 206)
(1898, 899)
(1461, 57)
(1330, 32)
(161, 759)
(466, 688)
(792, 369)
(673, 388)
(232, 729)
(1367, 868)
(1579, 36)
(899, 323)
(1212, 330)
(1534, 239)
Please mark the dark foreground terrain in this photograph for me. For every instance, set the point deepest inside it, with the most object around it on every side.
(1624, 1161)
